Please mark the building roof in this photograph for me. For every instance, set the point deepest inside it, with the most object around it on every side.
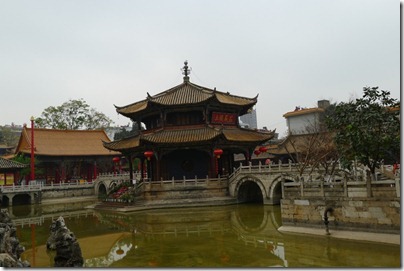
(52, 142)
(186, 93)
(303, 111)
(189, 135)
(9, 164)
(296, 143)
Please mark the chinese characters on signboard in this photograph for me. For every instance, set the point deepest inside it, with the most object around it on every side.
(224, 118)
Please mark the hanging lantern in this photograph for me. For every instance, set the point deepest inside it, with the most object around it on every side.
(116, 159)
(218, 152)
(263, 149)
(148, 154)
(257, 152)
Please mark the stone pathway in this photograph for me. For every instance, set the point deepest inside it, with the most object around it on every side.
(387, 238)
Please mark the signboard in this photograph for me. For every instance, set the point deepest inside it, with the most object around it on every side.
(224, 118)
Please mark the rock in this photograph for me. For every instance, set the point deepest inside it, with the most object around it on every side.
(63, 241)
(10, 248)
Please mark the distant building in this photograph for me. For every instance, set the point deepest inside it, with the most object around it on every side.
(5, 150)
(10, 135)
(249, 120)
(302, 123)
(111, 131)
(306, 120)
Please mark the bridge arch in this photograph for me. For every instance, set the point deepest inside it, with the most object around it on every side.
(20, 199)
(250, 189)
(275, 189)
(5, 201)
(243, 217)
(101, 190)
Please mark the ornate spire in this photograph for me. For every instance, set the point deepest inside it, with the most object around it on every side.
(186, 71)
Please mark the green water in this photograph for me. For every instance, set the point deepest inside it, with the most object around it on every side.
(225, 236)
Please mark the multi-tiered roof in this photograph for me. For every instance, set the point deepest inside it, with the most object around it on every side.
(216, 118)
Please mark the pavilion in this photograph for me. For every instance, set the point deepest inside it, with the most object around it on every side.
(191, 132)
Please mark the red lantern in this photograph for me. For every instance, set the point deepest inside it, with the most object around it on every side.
(263, 149)
(257, 152)
(218, 152)
(116, 159)
(148, 154)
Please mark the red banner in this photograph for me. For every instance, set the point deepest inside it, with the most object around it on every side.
(224, 118)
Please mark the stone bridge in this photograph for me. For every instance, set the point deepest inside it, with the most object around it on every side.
(263, 182)
(259, 183)
(105, 183)
(34, 192)
(247, 183)
(27, 194)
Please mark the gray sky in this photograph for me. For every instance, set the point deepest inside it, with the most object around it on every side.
(291, 53)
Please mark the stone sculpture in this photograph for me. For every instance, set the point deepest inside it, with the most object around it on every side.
(10, 248)
(64, 243)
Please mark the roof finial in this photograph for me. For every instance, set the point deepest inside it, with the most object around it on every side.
(186, 71)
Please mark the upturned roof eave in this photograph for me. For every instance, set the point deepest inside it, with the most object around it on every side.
(184, 138)
(224, 98)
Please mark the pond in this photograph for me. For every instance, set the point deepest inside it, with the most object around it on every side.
(226, 236)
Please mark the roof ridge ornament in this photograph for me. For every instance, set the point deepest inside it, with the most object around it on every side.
(185, 71)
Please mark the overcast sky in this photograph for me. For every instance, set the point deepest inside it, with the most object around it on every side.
(289, 52)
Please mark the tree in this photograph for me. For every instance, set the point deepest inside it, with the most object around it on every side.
(72, 115)
(23, 159)
(8, 136)
(314, 149)
(367, 130)
(123, 133)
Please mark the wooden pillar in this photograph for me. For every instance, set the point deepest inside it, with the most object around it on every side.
(95, 170)
(149, 169)
(157, 166)
(142, 169)
(212, 166)
(130, 167)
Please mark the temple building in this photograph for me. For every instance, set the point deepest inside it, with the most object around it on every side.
(190, 132)
(66, 155)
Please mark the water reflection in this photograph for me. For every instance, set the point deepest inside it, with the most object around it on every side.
(226, 236)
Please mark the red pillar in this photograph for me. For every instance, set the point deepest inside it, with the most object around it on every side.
(95, 171)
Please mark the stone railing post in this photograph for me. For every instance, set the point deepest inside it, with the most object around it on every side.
(322, 187)
(398, 187)
(368, 184)
(301, 188)
(345, 187)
